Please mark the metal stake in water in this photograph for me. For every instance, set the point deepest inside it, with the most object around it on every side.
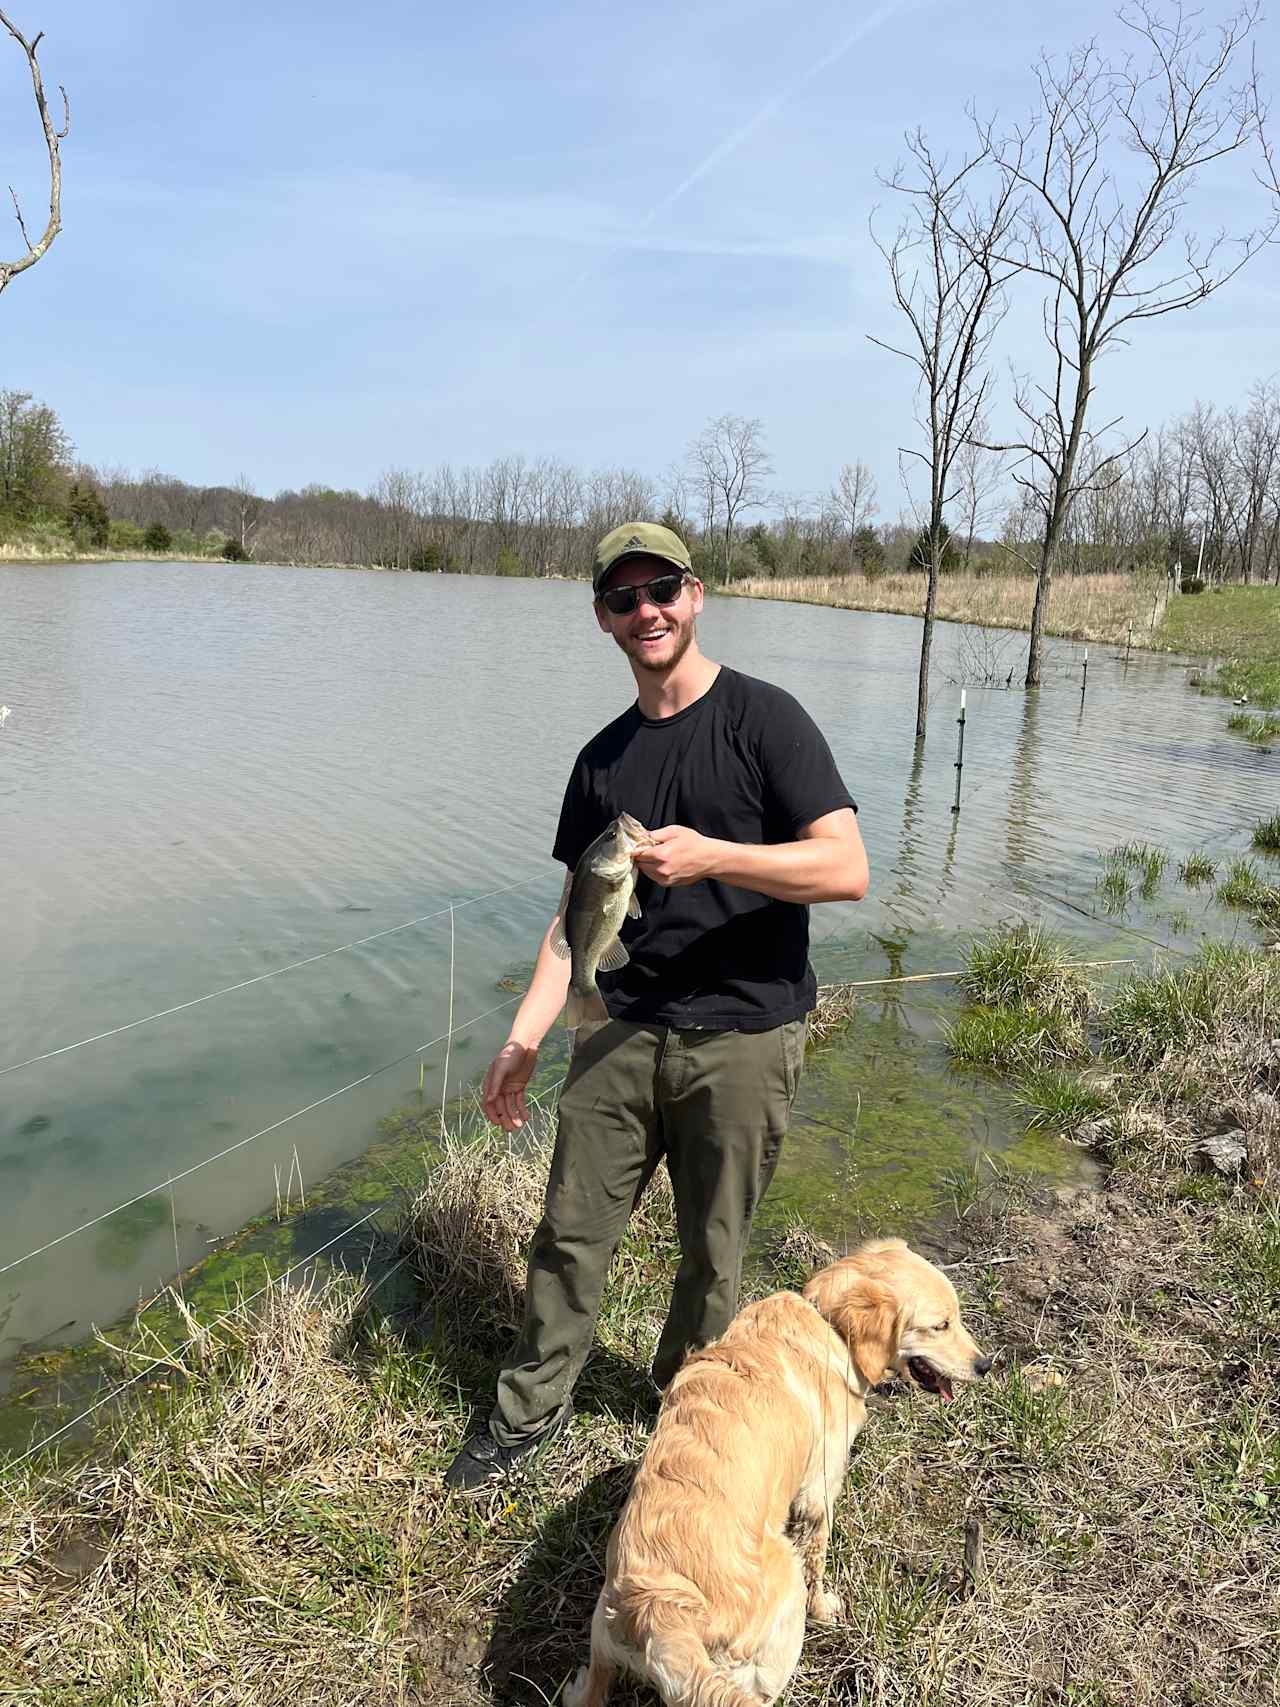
(1128, 643)
(959, 752)
(1084, 673)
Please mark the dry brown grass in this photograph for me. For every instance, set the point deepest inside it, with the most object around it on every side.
(836, 1006)
(251, 1544)
(1081, 607)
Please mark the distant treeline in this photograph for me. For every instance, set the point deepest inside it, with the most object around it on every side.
(1206, 487)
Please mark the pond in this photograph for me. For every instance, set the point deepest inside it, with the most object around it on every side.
(253, 815)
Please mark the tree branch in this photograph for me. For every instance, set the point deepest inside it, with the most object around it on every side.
(35, 251)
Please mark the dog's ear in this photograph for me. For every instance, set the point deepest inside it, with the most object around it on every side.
(871, 1322)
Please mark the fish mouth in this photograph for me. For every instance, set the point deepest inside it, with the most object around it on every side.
(931, 1378)
(632, 828)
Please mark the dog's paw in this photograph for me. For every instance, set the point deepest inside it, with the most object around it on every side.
(575, 1692)
(825, 1606)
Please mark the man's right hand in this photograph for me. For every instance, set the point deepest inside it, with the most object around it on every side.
(504, 1086)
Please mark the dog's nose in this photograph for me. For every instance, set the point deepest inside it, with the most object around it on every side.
(982, 1364)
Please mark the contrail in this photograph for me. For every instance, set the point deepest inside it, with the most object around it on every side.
(736, 138)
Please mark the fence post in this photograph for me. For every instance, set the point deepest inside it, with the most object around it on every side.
(959, 753)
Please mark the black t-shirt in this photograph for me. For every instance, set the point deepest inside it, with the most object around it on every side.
(745, 763)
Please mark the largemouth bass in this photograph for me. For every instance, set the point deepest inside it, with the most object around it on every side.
(599, 894)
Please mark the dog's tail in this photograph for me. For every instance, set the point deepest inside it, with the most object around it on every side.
(664, 1626)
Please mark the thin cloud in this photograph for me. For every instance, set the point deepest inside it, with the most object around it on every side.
(775, 103)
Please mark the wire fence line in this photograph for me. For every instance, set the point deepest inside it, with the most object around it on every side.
(445, 1037)
(218, 1321)
(240, 1143)
(277, 972)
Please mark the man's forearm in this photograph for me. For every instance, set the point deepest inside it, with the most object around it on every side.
(821, 869)
(543, 999)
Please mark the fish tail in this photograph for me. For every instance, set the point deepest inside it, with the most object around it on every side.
(584, 1010)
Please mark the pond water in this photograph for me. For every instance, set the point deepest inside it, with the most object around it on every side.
(211, 774)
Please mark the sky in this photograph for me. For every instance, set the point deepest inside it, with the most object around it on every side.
(307, 243)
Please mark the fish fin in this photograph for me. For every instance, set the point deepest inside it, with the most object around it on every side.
(584, 1010)
(614, 956)
(559, 941)
(633, 907)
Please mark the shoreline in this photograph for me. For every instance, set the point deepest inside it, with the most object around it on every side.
(760, 591)
(270, 1524)
(1150, 630)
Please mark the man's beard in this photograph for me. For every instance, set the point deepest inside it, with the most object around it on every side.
(683, 641)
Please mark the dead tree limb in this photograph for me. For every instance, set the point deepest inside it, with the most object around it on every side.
(52, 137)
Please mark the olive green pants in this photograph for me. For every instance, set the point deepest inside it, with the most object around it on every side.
(716, 1105)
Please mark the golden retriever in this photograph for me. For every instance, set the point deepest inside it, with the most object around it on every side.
(721, 1547)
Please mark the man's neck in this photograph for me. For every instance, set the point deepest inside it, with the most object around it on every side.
(664, 696)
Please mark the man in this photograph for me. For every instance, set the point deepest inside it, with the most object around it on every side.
(700, 1058)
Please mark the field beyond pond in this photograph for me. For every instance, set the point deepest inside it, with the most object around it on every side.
(1081, 607)
(267, 1523)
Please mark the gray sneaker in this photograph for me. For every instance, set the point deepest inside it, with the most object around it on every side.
(483, 1463)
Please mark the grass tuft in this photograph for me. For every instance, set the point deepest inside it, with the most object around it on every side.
(1246, 888)
(1059, 1101)
(1197, 870)
(1266, 834)
(836, 1006)
(1140, 857)
(1259, 730)
(1116, 887)
(1023, 966)
(1011, 1037)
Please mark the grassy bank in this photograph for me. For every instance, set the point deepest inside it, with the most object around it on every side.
(1081, 607)
(269, 1524)
(1239, 627)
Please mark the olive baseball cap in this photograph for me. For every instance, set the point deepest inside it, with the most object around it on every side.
(638, 539)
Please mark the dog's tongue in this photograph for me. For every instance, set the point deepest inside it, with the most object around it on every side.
(944, 1390)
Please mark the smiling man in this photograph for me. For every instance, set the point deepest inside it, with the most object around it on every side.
(700, 1059)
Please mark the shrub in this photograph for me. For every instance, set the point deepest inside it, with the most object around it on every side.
(428, 559)
(125, 536)
(157, 537)
(87, 514)
(868, 552)
(946, 551)
(234, 552)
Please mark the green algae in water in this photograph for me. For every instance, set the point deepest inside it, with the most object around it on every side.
(124, 1234)
(883, 1122)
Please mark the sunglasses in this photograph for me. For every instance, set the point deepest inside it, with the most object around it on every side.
(662, 590)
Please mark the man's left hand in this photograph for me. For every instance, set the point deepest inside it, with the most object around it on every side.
(677, 855)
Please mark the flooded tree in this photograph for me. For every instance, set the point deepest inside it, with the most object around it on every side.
(947, 272)
(52, 138)
(1107, 239)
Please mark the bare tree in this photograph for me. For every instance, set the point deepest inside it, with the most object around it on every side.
(979, 485)
(52, 137)
(1101, 237)
(947, 273)
(730, 464)
(248, 508)
(852, 501)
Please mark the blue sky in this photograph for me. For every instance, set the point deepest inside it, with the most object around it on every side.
(308, 243)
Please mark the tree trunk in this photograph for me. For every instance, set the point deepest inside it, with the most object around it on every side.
(926, 636)
(1037, 619)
